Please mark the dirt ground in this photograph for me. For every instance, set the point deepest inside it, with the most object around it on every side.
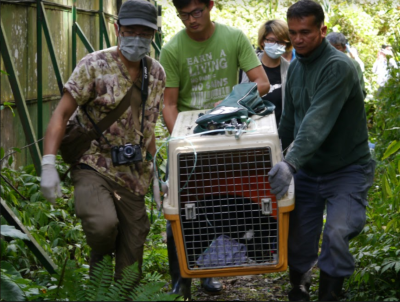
(268, 287)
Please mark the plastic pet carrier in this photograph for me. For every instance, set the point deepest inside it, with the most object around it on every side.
(224, 219)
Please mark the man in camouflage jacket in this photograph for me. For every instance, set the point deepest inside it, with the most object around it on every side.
(110, 199)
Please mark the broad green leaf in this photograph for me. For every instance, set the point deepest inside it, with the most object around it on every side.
(398, 167)
(10, 160)
(387, 186)
(9, 269)
(35, 196)
(397, 267)
(392, 173)
(11, 231)
(3, 72)
(1, 152)
(386, 267)
(10, 291)
(393, 148)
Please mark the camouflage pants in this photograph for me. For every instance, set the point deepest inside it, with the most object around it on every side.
(113, 218)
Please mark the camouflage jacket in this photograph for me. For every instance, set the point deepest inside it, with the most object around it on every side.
(101, 80)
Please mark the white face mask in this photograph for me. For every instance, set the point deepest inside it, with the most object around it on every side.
(274, 51)
(134, 48)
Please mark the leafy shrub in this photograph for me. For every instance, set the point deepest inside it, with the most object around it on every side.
(377, 249)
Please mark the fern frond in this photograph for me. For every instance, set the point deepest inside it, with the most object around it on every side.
(81, 294)
(121, 289)
(100, 281)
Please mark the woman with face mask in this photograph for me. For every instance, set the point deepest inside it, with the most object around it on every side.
(273, 38)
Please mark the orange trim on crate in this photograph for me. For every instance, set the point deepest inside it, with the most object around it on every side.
(233, 271)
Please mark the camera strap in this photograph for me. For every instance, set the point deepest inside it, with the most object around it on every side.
(144, 94)
(137, 97)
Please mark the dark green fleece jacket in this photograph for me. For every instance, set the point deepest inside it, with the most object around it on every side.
(324, 113)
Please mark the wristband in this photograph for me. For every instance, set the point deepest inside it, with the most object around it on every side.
(49, 159)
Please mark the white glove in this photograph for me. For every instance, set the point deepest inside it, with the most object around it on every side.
(50, 182)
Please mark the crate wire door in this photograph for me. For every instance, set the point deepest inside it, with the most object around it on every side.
(228, 216)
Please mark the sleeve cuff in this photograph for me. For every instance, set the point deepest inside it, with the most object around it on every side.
(49, 159)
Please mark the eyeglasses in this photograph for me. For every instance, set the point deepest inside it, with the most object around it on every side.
(128, 33)
(194, 13)
(272, 41)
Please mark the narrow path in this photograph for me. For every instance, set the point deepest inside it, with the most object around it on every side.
(267, 287)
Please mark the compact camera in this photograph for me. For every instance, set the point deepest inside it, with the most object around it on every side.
(126, 154)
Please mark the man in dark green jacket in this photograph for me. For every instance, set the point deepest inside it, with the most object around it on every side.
(325, 120)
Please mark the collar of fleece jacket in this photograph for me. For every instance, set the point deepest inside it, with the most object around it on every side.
(315, 54)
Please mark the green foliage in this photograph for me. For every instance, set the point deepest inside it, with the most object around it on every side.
(377, 249)
(56, 229)
(74, 285)
(10, 291)
(13, 286)
(59, 232)
(7, 105)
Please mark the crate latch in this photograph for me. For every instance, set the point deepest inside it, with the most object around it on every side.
(266, 206)
(190, 211)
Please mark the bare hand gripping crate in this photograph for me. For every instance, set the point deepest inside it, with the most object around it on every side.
(224, 219)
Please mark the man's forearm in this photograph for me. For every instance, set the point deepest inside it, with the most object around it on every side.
(54, 134)
(263, 88)
(58, 122)
(170, 114)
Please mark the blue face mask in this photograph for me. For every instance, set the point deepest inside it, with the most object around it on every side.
(134, 48)
(274, 51)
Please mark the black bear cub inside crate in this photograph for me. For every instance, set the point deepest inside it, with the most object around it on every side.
(239, 226)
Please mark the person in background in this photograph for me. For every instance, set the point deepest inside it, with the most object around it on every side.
(109, 199)
(273, 38)
(201, 63)
(290, 54)
(354, 54)
(338, 40)
(324, 118)
(382, 64)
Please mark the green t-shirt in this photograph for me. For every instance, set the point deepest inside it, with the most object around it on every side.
(206, 71)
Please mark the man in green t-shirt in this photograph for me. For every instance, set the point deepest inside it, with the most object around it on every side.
(202, 61)
(201, 64)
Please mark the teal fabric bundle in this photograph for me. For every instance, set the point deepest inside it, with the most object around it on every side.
(243, 101)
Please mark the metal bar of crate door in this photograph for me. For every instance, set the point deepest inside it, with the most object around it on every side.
(83, 38)
(50, 46)
(32, 244)
(20, 101)
(74, 48)
(39, 67)
(101, 24)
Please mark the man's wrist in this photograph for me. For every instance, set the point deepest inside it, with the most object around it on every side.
(49, 159)
(291, 167)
